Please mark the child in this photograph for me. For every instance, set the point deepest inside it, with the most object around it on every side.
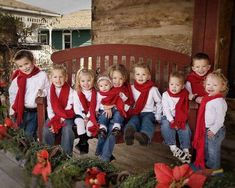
(210, 129)
(200, 69)
(60, 110)
(28, 81)
(108, 95)
(84, 108)
(147, 108)
(121, 89)
(175, 115)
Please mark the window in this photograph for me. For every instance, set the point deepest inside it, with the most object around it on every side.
(67, 43)
(43, 38)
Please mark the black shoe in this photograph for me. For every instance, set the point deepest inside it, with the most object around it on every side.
(112, 158)
(129, 135)
(142, 138)
(82, 147)
(102, 133)
(116, 131)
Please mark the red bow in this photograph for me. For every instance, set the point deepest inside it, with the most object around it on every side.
(43, 167)
(95, 178)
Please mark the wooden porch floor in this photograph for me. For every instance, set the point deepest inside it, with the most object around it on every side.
(135, 158)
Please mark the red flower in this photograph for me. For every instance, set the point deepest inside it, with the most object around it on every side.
(177, 177)
(95, 178)
(2, 83)
(43, 167)
(43, 154)
(9, 123)
(3, 131)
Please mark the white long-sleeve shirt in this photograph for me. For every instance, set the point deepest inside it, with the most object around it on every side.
(168, 105)
(69, 105)
(215, 114)
(153, 103)
(77, 107)
(33, 84)
(188, 86)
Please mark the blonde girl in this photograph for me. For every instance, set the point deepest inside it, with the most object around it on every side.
(84, 108)
(60, 110)
(210, 129)
(121, 92)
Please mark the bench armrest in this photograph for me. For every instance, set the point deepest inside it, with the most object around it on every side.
(41, 115)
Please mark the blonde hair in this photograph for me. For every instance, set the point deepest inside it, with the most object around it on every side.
(143, 65)
(120, 68)
(179, 75)
(219, 75)
(81, 72)
(60, 67)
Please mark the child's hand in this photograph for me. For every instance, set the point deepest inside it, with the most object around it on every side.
(62, 120)
(210, 134)
(52, 130)
(192, 96)
(198, 100)
(40, 93)
(86, 119)
(108, 113)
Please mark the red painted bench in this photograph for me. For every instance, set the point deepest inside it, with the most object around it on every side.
(162, 62)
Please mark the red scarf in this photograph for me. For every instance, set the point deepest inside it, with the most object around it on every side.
(18, 105)
(58, 105)
(113, 98)
(197, 83)
(89, 106)
(142, 99)
(199, 137)
(181, 109)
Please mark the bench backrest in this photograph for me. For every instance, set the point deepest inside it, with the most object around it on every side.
(161, 61)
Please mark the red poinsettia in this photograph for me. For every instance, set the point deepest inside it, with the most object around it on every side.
(43, 166)
(177, 177)
(95, 178)
(8, 123)
(2, 83)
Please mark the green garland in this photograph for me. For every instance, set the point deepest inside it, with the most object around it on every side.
(65, 175)
(146, 180)
(66, 171)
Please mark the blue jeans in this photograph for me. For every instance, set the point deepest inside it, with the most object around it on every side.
(116, 118)
(169, 134)
(144, 122)
(105, 146)
(30, 124)
(67, 136)
(213, 149)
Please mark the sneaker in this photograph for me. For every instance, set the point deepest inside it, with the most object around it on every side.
(102, 133)
(116, 131)
(129, 135)
(182, 156)
(142, 138)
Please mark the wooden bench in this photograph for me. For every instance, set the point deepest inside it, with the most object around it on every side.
(162, 62)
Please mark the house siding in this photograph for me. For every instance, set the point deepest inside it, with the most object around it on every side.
(57, 40)
(82, 38)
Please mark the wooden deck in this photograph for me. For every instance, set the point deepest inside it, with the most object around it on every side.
(11, 174)
(135, 158)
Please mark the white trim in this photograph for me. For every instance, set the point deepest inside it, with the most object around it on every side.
(29, 11)
(63, 38)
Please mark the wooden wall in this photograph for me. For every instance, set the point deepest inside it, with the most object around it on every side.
(160, 23)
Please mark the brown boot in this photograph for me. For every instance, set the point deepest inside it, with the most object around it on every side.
(129, 135)
(142, 138)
